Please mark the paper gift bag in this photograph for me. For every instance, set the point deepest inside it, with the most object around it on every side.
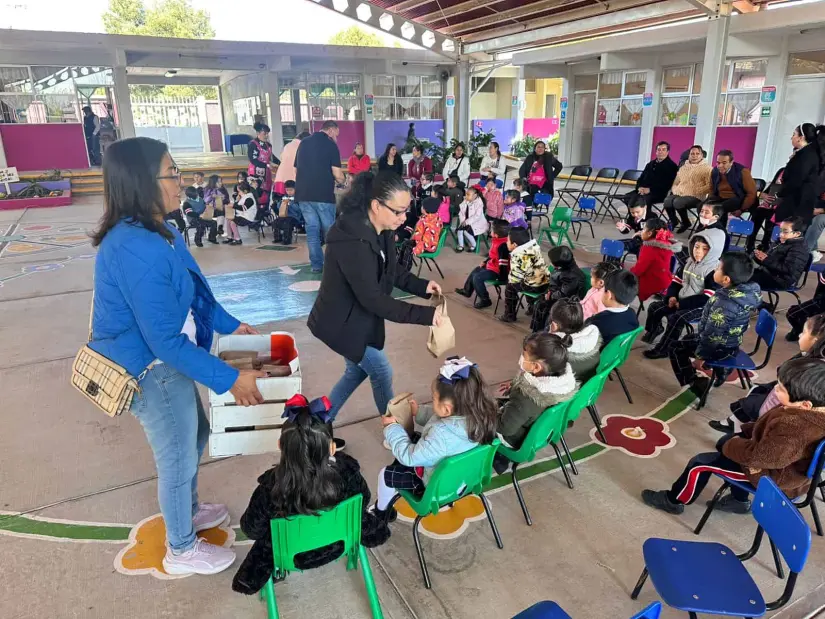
(442, 337)
(399, 407)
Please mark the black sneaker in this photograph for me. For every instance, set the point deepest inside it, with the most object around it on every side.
(650, 336)
(699, 385)
(792, 336)
(507, 318)
(482, 303)
(340, 444)
(530, 309)
(463, 292)
(728, 504)
(724, 428)
(198, 243)
(655, 353)
(658, 500)
(237, 242)
(213, 241)
(683, 228)
(388, 515)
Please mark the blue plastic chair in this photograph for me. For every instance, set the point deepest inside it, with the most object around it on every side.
(775, 234)
(612, 248)
(541, 207)
(814, 473)
(551, 610)
(738, 228)
(707, 577)
(773, 293)
(742, 362)
(587, 204)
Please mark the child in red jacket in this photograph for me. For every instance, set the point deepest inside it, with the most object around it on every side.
(495, 268)
(653, 266)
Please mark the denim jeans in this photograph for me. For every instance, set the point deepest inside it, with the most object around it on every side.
(318, 218)
(171, 413)
(815, 230)
(374, 365)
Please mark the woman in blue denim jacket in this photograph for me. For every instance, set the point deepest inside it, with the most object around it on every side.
(154, 314)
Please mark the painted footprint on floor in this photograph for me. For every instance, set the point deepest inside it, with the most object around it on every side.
(450, 522)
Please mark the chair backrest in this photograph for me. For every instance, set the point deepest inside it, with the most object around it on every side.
(631, 175)
(587, 203)
(499, 183)
(457, 476)
(585, 396)
(562, 214)
(815, 467)
(611, 173)
(783, 523)
(740, 226)
(760, 184)
(442, 239)
(542, 198)
(617, 350)
(612, 248)
(548, 427)
(297, 534)
(582, 170)
(775, 234)
(653, 611)
(766, 327)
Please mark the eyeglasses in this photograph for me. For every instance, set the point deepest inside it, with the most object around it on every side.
(784, 232)
(174, 176)
(392, 210)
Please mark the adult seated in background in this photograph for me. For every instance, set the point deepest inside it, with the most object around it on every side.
(458, 163)
(358, 161)
(656, 179)
(732, 185)
(492, 166)
(391, 160)
(419, 165)
(691, 186)
(686, 155)
(540, 168)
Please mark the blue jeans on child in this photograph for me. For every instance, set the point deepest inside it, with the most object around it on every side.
(318, 219)
(374, 365)
(171, 413)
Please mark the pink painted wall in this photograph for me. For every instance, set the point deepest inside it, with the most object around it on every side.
(43, 147)
(349, 132)
(541, 127)
(739, 140)
(680, 139)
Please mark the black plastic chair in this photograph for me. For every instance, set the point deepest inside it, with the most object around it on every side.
(607, 201)
(572, 193)
(611, 174)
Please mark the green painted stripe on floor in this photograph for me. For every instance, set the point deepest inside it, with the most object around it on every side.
(675, 407)
(28, 526)
(580, 453)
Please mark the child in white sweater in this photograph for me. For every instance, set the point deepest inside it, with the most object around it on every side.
(471, 219)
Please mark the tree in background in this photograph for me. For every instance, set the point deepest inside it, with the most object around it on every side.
(168, 18)
(356, 36)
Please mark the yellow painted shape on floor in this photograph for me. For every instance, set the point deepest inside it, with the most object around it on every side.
(450, 522)
(147, 547)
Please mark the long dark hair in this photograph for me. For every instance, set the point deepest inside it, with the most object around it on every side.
(213, 181)
(367, 187)
(387, 151)
(130, 187)
(498, 148)
(472, 401)
(550, 350)
(305, 481)
(807, 131)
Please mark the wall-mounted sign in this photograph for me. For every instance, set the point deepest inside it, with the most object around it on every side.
(562, 121)
(514, 101)
(563, 103)
(563, 115)
(647, 99)
(317, 113)
(768, 95)
(369, 100)
(766, 111)
(450, 101)
(479, 124)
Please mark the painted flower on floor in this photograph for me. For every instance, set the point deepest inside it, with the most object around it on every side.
(450, 522)
(732, 379)
(147, 547)
(642, 437)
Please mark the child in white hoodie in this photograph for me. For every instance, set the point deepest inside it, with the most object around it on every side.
(471, 219)
(567, 318)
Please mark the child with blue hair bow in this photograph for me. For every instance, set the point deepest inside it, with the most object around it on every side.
(462, 416)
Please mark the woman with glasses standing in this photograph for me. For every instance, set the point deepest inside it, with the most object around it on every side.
(360, 273)
(154, 314)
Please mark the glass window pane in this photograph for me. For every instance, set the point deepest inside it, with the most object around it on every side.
(15, 108)
(807, 63)
(694, 111)
(432, 108)
(408, 108)
(60, 108)
(676, 79)
(15, 79)
(631, 112)
(92, 76)
(634, 83)
(407, 86)
(749, 74)
(610, 85)
(530, 86)
(697, 78)
(384, 108)
(742, 109)
(720, 113)
(607, 112)
(348, 85)
(383, 85)
(586, 82)
(431, 86)
(674, 111)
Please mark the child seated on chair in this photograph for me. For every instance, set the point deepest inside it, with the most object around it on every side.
(493, 199)
(514, 210)
(653, 266)
(545, 378)
(422, 191)
(428, 228)
(566, 280)
(710, 218)
(520, 185)
(724, 321)
(454, 190)
(471, 220)
(200, 216)
(780, 445)
(592, 301)
(495, 268)
(762, 398)
(783, 266)
(528, 272)
(310, 477)
(620, 288)
(462, 416)
(687, 295)
(634, 223)
(567, 319)
(289, 214)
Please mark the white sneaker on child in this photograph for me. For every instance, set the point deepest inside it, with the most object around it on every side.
(209, 516)
(817, 255)
(203, 558)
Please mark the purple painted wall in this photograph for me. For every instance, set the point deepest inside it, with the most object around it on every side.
(396, 131)
(615, 147)
(505, 130)
(739, 140)
(679, 138)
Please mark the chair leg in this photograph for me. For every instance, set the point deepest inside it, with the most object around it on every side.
(594, 415)
(492, 521)
(520, 497)
(817, 522)
(421, 561)
(624, 386)
(269, 597)
(822, 491)
(569, 457)
(777, 561)
(561, 464)
(438, 268)
(420, 262)
(639, 584)
(710, 508)
(741, 375)
(369, 583)
(704, 398)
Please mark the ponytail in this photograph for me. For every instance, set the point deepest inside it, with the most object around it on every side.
(550, 350)
(367, 187)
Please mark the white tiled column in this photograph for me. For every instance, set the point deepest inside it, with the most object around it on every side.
(126, 122)
(369, 119)
(767, 140)
(517, 111)
(716, 47)
(276, 135)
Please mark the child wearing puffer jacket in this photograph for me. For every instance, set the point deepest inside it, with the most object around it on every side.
(471, 219)
(567, 318)
(653, 266)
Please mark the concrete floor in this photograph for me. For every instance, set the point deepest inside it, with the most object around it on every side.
(73, 482)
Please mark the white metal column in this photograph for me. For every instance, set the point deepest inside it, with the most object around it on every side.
(767, 140)
(716, 47)
(2, 154)
(123, 101)
(369, 118)
(276, 135)
(449, 115)
(649, 117)
(463, 101)
(566, 131)
(517, 111)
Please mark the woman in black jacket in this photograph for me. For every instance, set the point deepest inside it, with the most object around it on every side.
(540, 160)
(798, 193)
(391, 160)
(356, 289)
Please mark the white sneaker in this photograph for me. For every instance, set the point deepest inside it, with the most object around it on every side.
(202, 558)
(817, 255)
(209, 516)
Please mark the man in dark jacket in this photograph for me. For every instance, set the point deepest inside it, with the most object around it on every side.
(786, 261)
(656, 179)
(732, 184)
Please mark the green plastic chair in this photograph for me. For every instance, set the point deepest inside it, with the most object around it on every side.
(482, 237)
(297, 534)
(549, 429)
(586, 398)
(560, 224)
(615, 354)
(453, 479)
(427, 257)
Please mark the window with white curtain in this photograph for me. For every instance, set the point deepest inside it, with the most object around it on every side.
(620, 95)
(407, 97)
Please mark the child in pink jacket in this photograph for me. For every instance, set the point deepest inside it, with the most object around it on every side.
(592, 301)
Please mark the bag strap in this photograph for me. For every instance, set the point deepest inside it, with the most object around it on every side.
(91, 312)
